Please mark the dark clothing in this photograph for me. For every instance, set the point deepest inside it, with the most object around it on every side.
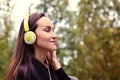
(42, 73)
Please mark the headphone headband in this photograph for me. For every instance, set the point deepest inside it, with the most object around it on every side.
(29, 36)
(26, 26)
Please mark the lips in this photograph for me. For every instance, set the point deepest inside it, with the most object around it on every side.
(53, 42)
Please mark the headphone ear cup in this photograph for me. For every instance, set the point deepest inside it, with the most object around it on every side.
(29, 37)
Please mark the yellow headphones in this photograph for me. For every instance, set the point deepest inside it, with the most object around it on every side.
(29, 36)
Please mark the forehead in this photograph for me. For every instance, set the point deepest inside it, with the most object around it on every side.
(44, 21)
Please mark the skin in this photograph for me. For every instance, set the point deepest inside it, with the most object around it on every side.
(45, 45)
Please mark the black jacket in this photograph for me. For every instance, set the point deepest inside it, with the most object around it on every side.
(42, 73)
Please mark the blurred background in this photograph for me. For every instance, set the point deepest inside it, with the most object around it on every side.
(88, 34)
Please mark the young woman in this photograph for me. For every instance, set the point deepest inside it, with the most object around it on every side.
(34, 57)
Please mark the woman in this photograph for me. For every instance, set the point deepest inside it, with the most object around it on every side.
(34, 57)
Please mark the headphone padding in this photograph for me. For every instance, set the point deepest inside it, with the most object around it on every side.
(29, 37)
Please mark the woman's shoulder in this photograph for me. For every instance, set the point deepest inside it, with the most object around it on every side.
(26, 73)
(20, 74)
(22, 69)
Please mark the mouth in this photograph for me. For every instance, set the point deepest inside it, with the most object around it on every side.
(53, 42)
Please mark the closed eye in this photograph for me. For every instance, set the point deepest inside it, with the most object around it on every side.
(48, 29)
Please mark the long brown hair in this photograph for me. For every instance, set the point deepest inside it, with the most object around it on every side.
(23, 53)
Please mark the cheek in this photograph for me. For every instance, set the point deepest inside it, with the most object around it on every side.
(42, 38)
(43, 42)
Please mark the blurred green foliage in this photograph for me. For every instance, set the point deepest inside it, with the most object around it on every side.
(6, 38)
(87, 37)
(5, 51)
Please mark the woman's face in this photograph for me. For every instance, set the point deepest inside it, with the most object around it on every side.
(46, 38)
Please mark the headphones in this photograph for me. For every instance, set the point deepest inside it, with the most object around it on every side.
(29, 36)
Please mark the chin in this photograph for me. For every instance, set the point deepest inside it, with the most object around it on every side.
(52, 49)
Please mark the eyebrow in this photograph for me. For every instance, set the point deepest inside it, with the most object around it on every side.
(50, 27)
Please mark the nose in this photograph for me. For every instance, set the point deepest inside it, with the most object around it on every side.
(54, 35)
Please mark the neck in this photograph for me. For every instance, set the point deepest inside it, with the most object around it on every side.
(40, 54)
